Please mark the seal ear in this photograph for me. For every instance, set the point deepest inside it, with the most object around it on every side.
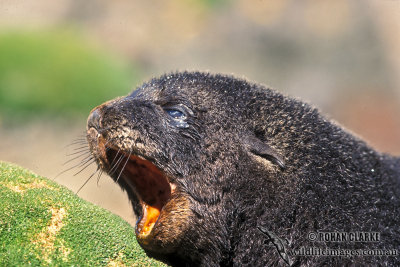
(259, 148)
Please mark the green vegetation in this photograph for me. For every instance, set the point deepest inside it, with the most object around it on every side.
(213, 3)
(44, 224)
(57, 73)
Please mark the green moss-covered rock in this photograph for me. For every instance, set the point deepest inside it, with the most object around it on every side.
(42, 223)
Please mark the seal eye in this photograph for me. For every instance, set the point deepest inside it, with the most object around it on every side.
(176, 114)
(178, 117)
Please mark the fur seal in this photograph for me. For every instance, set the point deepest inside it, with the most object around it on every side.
(224, 172)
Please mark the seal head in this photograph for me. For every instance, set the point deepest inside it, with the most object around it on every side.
(161, 145)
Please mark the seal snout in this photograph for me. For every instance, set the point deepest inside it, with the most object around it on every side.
(94, 119)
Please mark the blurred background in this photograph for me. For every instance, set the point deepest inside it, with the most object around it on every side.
(59, 59)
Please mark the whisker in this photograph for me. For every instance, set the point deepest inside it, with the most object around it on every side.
(76, 143)
(112, 162)
(83, 162)
(81, 147)
(77, 157)
(78, 140)
(116, 165)
(127, 159)
(112, 139)
(88, 163)
(86, 146)
(83, 151)
(102, 171)
(98, 177)
(97, 169)
(78, 151)
(87, 180)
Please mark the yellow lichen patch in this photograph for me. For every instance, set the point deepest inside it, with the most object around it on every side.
(22, 187)
(45, 239)
(117, 262)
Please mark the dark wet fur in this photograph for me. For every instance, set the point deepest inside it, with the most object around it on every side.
(311, 174)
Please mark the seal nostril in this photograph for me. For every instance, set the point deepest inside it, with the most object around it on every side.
(94, 119)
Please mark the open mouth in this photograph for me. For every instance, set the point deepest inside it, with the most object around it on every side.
(151, 186)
